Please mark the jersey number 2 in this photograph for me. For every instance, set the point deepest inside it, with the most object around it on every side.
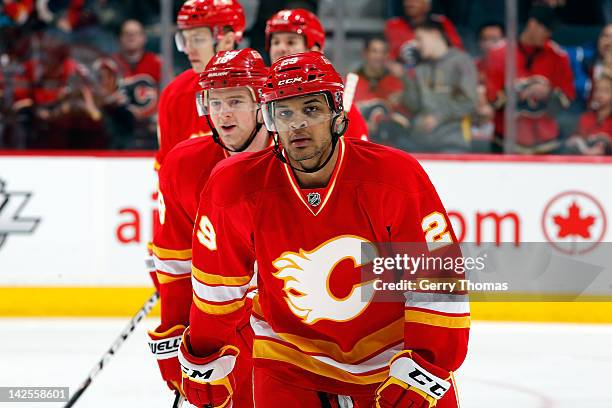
(435, 228)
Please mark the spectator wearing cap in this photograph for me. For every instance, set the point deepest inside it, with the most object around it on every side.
(544, 84)
(440, 93)
(378, 93)
(594, 134)
(400, 31)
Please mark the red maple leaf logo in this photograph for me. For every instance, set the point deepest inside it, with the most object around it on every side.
(574, 224)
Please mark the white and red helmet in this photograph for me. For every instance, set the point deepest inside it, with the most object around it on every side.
(302, 74)
(299, 21)
(231, 69)
(214, 14)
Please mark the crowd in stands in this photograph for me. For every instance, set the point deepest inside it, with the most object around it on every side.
(81, 74)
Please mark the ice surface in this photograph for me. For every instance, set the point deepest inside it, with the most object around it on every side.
(510, 365)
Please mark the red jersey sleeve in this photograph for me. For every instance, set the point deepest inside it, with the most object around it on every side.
(223, 259)
(172, 251)
(436, 324)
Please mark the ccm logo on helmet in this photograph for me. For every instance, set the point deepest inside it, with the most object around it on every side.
(289, 81)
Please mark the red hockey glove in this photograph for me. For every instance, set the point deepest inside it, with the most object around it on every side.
(165, 347)
(412, 383)
(207, 381)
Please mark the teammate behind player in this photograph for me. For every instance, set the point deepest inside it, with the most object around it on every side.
(322, 335)
(296, 31)
(205, 27)
(230, 99)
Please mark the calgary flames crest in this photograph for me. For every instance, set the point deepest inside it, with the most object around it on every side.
(306, 277)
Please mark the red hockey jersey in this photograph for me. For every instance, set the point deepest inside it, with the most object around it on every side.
(399, 31)
(177, 114)
(181, 179)
(315, 324)
(379, 98)
(141, 82)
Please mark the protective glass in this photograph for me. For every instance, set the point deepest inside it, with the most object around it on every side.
(296, 113)
(194, 41)
(223, 100)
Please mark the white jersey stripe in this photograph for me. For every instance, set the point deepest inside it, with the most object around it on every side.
(173, 267)
(439, 302)
(218, 294)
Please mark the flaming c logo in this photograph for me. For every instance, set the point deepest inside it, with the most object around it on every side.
(306, 277)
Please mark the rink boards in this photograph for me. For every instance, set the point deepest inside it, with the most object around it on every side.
(74, 228)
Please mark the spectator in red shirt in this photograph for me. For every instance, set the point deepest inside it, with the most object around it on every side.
(490, 36)
(378, 93)
(594, 135)
(399, 31)
(544, 84)
(141, 71)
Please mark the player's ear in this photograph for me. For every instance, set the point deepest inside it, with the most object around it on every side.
(339, 123)
(259, 116)
(315, 48)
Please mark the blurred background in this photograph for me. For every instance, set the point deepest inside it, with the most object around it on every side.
(535, 76)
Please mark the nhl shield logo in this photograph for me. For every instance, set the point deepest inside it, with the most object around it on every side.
(314, 199)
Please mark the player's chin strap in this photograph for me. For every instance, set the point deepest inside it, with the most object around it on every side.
(336, 134)
(243, 147)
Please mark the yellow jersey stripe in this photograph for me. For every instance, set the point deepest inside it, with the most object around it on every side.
(271, 350)
(163, 278)
(365, 348)
(217, 309)
(163, 253)
(459, 322)
(210, 279)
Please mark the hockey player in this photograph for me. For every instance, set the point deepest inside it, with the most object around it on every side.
(294, 31)
(205, 27)
(230, 98)
(303, 210)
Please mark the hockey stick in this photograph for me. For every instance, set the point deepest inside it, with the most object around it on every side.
(125, 333)
(178, 400)
(350, 87)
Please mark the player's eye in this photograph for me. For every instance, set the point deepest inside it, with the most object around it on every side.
(311, 110)
(215, 105)
(235, 102)
(284, 114)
